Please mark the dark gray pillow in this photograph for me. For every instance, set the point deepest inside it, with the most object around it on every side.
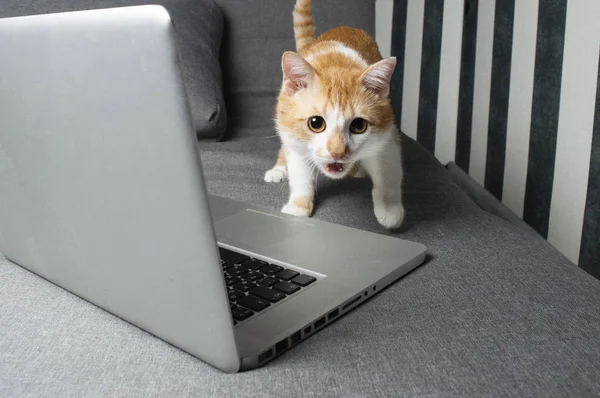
(199, 28)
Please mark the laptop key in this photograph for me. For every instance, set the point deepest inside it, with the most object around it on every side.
(244, 286)
(252, 276)
(267, 294)
(271, 269)
(304, 280)
(286, 287)
(287, 274)
(253, 303)
(254, 264)
(241, 313)
(237, 269)
(234, 295)
(226, 264)
(268, 281)
(230, 279)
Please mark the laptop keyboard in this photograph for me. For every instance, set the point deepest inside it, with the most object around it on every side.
(254, 285)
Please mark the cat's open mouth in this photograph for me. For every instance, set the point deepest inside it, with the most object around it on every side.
(335, 167)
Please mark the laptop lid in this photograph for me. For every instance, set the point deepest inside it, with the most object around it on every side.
(101, 189)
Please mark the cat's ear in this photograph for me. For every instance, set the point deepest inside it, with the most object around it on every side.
(378, 76)
(297, 73)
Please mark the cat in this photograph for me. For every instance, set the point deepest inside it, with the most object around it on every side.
(334, 116)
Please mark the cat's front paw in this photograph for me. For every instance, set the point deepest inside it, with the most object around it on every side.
(389, 216)
(294, 210)
(276, 174)
(301, 207)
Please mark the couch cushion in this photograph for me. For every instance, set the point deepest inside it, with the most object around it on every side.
(255, 38)
(199, 28)
(494, 311)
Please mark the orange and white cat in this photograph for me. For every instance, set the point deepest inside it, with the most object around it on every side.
(334, 116)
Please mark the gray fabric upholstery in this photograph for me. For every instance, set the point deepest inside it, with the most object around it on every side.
(482, 197)
(199, 29)
(256, 35)
(494, 311)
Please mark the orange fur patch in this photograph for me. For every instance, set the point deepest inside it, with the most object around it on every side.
(304, 25)
(337, 81)
(305, 203)
(336, 145)
(357, 39)
(281, 159)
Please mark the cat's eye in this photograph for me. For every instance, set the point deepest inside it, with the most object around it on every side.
(316, 124)
(358, 126)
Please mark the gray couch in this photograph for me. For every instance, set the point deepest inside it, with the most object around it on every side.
(494, 311)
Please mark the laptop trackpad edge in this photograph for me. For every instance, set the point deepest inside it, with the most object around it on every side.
(254, 230)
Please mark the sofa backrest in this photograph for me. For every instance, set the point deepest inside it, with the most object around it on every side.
(257, 33)
(508, 90)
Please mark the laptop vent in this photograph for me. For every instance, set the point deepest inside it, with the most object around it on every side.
(300, 335)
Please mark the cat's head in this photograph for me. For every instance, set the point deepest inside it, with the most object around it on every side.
(335, 116)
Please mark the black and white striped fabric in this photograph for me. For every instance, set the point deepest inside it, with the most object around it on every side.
(508, 90)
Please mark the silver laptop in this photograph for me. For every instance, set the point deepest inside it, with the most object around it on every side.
(102, 193)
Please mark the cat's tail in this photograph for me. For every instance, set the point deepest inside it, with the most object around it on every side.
(304, 24)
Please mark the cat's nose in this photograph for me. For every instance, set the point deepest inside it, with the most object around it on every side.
(337, 156)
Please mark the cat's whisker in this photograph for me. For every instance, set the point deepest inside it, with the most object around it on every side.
(317, 174)
(269, 137)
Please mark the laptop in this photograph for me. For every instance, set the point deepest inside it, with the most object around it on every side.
(102, 193)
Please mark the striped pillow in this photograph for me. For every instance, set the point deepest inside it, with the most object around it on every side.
(508, 89)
